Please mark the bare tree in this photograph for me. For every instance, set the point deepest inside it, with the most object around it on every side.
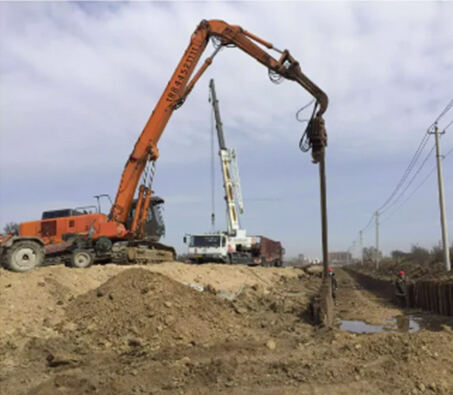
(11, 228)
(370, 254)
(399, 255)
(420, 255)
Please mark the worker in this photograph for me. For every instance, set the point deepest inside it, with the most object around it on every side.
(333, 284)
(401, 289)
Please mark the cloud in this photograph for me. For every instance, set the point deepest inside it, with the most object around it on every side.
(78, 82)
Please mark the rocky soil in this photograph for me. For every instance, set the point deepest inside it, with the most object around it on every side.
(177, 328)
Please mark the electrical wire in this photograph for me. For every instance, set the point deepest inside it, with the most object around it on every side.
(415, 158)
(447, 108)
(367, 226)
(448, 125)
(410, 196)
(423, 163)
(415, 189)
(401, 182)
(407, 172)
(390, 202)
(448, 153)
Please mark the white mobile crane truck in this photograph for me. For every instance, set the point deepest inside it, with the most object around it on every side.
(232, 246)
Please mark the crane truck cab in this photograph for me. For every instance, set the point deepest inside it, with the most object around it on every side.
(234, 249)
(219, 247)
(207, 248)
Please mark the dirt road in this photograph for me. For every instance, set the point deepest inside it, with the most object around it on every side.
(129, 330)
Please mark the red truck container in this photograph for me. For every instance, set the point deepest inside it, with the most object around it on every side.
(267, 252)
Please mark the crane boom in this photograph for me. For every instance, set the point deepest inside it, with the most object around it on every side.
(231, 182)
(218, 119)
(180, 86)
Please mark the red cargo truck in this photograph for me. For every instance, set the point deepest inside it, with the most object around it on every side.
(267, 252)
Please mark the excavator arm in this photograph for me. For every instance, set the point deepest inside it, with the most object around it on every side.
(180, 85)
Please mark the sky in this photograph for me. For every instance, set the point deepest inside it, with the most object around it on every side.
(78, 81)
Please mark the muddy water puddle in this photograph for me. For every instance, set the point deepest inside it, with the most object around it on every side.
(402, 323)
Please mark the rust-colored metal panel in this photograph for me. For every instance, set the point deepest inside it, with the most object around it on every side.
(51, 231)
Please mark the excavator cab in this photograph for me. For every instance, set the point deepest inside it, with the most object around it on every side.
(154, 224)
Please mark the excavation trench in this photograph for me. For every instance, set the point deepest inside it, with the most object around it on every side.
(425, 297)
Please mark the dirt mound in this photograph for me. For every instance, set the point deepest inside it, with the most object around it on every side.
(225, 277)
(388, 270)
(141, 332)
(138, 306)
(257, 298)
(32, 303)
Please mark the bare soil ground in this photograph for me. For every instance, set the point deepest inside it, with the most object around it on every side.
(388, 270)
(142, 329)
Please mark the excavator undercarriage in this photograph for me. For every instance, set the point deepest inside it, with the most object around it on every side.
(142, 253)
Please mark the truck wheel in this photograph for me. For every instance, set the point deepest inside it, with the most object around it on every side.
(24, 255)
(82, 259)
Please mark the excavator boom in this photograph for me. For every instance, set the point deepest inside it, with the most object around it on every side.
(180, 86)
(118, 235)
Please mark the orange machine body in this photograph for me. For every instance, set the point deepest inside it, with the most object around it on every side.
(53, 230)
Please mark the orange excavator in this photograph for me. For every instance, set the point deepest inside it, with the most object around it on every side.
(121, 236)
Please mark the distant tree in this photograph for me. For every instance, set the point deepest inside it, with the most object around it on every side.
(420, 255)
(437, 253)
(369, 254)
(399, 255)
(11, 227)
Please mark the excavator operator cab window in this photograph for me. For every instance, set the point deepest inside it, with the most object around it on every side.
(149, 217)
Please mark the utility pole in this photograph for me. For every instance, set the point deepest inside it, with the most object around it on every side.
(443, 219)
(361, 246)
(377, 239)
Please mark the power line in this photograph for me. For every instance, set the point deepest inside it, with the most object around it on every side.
(447, 108)
(367, 226)
(390, 202)
(401, 182)
(448, 125)
(448, 153)
(415, 157)
(408, 170)
(416, 188)
(411, 180)
(412, 194)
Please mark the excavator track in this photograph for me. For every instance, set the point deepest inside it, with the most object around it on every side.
(142, 253)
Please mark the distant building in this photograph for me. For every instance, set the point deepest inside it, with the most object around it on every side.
(296, 261)
(340, 258)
